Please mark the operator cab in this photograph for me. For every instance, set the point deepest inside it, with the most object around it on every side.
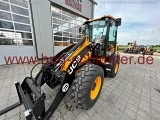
(102, 32)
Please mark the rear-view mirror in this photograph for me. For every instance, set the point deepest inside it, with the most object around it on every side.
(118, 22)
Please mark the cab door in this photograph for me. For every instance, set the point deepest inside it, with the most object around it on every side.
(112, 37)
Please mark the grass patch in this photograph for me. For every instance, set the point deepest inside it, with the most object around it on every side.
(122, 48)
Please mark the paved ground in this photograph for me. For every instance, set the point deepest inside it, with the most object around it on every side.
(131, 95)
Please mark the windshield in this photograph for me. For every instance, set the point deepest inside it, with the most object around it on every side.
(96, 30)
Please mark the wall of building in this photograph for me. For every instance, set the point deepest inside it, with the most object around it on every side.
(41, 12)
(13, 54)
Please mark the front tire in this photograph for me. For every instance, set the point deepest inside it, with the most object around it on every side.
(87, 85)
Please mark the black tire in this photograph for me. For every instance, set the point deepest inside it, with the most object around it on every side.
(136, 52)
(114, 72)
(83, 85)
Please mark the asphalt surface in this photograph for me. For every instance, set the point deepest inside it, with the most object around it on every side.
(132, 95)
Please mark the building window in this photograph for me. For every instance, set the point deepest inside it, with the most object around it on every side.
(57, 21)
(25, 35)
(15, 23)
(21, 19)
(6, 25)
(56, 15)
(5, 16)
(7, 41)
(6, 0)
(22, 3)
(19, 10)
(6, 38)
(27, 42)
(22, 27)
(65, 27)
(4, 6)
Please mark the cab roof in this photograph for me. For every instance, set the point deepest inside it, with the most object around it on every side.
(105, 16)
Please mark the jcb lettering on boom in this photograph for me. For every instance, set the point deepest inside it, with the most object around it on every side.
(74, 64)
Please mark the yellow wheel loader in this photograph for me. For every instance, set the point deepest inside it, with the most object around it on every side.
(148, 50)
(80, 67)
(131, 48)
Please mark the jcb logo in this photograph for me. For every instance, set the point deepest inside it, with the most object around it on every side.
(74, 64)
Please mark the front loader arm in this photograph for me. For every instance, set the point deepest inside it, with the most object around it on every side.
(77, 55)
(60, 72)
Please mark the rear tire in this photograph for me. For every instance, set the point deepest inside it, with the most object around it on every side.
(114, 69)
(87, 85)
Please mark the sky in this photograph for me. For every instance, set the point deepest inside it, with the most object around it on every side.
(140, 19)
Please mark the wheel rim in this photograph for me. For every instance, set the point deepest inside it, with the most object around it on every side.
(95, 88)
(116, 68)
